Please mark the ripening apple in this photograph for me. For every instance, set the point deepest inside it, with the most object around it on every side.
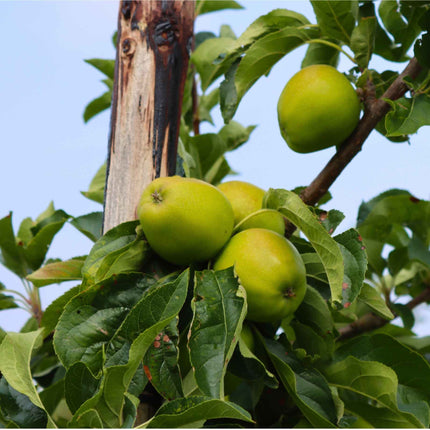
(270, 269)
(185, 220)
(245, 198)
(318, 108)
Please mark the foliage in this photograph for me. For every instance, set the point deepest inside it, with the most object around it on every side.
(135, 327)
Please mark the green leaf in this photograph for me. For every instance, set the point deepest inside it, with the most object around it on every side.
(127, 259)
(208, 6)
(121, 249)
(15, 355)
(330, 220)
(306, 386)
(91, 318)
(96, 189)
(6, 301)
(317, 346)
(206, 103)
(405, 314)
(246, 365)
(54, 273)
(52, 313)
(97, 105)
(292, 207)
(412, 393)
(259, 59)
(355, 263)
(422, 47)
(44, 232)
(314, 312)
(139, 329)
(273, 21)
(407, 115)
(79, 385)
(405, 362)
(374, 300)
(52, 397)
(188, 411)
(12, 254)
(402, 22)
(219, 309)
(336, 18)
(205, 55)
(24, 232)
(228, 93)
(319, 53)
(161, 362)
(384, 218)
(204, 154)
(363, 40)
(90, 225)
(235, 134)
(107, 67)
(17, 408)
(374, 381)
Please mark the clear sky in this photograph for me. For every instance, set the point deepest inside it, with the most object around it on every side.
(48, 153)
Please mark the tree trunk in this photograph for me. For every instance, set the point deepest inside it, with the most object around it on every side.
(153, 48)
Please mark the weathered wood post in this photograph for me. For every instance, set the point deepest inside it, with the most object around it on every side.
(153, 48)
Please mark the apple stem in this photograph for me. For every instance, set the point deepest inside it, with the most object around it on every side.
(289, 293)
(156, 197)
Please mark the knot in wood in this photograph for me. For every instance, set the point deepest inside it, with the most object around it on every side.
(128, 46)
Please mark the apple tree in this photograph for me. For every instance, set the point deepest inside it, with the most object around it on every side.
(142, 342)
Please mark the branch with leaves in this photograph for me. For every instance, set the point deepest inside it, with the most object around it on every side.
(374, 111)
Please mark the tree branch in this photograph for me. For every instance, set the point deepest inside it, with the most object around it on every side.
(371, 321)
(375, 110)
(373, 113)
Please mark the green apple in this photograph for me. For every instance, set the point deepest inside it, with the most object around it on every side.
(264, 218)
(317, 108)
(185, 220)
(270, 269)
(245, 198)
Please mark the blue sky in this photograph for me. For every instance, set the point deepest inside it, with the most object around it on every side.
(48, 153)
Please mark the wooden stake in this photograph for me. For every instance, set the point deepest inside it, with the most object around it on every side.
(153, 48)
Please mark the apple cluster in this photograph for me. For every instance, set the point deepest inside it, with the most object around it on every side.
(188, 221)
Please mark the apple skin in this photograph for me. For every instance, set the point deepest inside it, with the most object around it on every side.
(185, 220)
(245, 198)
(264, 218)
(318, 108)
(270, 269)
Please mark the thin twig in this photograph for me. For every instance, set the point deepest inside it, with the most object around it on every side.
(371, 321)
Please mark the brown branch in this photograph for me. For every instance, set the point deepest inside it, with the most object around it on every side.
(371, 321)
